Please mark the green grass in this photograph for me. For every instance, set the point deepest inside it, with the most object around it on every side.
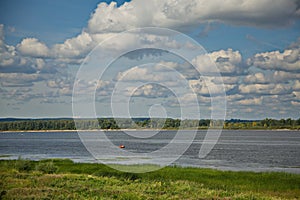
(4, 156)
(63, 179)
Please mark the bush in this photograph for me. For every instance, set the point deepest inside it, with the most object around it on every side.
(47, 167)
(23, 165)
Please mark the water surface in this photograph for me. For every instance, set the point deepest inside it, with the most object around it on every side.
(235, 150)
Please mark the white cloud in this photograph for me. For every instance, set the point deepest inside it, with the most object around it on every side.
(267, 77)
(258, 78)
(141, 74)
(180, 14)
(279, 70)
(234, 97)
(149, 91)
(253, 101)
(227, 80)
(33, 47)
(58, 83)
(227, 62)
(100, 88)
(110, 18)
(265, 89)
(20, 79)
(288, 60)
(207, 86)
(13, 61)
(296, 86)
(64, 87)
(78, 46)
(160, 73)
(297, 94)
(295, 103)
(283, 76)
(8, 55)
(112, 43)
(66, 91)
(22, 94)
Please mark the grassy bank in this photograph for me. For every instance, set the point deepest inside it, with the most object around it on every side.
(63, 179)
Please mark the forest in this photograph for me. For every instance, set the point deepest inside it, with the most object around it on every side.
(12, 124)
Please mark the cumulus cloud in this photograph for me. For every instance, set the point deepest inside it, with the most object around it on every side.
(62, 86)
(253, 101)
(101, 88)
(19, 94)
(74, 47)
(296, 86)
(296, 95)
(143, 74)
(33, 47)
(24, 94)
(8, 54)
(149, 91)
(265, 89)
(161, 73)
(282, 76)
(258, 78)
(228, 62)
(295, 103)
(270, 77)
(288, 60)
(20, 79)
(113, 44)
(208, 86)
(180, 14)
(32, 61)
(278, 75)
(8, 57)
(58, 83)
(108, 19)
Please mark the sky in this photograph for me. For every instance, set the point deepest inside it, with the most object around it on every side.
(199, 59)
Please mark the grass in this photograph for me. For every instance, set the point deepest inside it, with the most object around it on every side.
(4, 156)
(63, 179)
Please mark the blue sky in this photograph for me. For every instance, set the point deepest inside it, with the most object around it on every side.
(255, 46)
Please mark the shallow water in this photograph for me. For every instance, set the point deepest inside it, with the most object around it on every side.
(235, 150)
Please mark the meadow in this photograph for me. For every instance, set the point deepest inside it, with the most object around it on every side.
(64, 179)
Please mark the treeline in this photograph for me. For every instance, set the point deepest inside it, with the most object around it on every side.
(267, 123)
(101, 123)
(143, 123)
(23, 125)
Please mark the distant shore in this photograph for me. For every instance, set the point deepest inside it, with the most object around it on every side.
(88, 130)
(111, 130)
(143, 124)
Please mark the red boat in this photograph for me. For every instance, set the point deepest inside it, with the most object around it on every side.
(122, 146)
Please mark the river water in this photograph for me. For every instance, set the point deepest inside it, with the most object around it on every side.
(237, 150)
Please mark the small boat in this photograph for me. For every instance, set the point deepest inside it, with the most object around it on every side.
(122, 146)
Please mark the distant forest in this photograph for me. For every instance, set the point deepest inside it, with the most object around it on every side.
(10, 124)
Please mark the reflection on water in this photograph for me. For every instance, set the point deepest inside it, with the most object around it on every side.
(235, 150)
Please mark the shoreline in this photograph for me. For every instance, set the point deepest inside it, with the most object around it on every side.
(44, 179)
(277, 169)
(149, 129)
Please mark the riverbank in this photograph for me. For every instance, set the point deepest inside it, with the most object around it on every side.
(148, 129)
(16, 124)
(63, 179)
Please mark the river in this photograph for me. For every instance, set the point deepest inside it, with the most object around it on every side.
(237, 150)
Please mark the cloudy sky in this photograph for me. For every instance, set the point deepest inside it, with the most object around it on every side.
(245, 53)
